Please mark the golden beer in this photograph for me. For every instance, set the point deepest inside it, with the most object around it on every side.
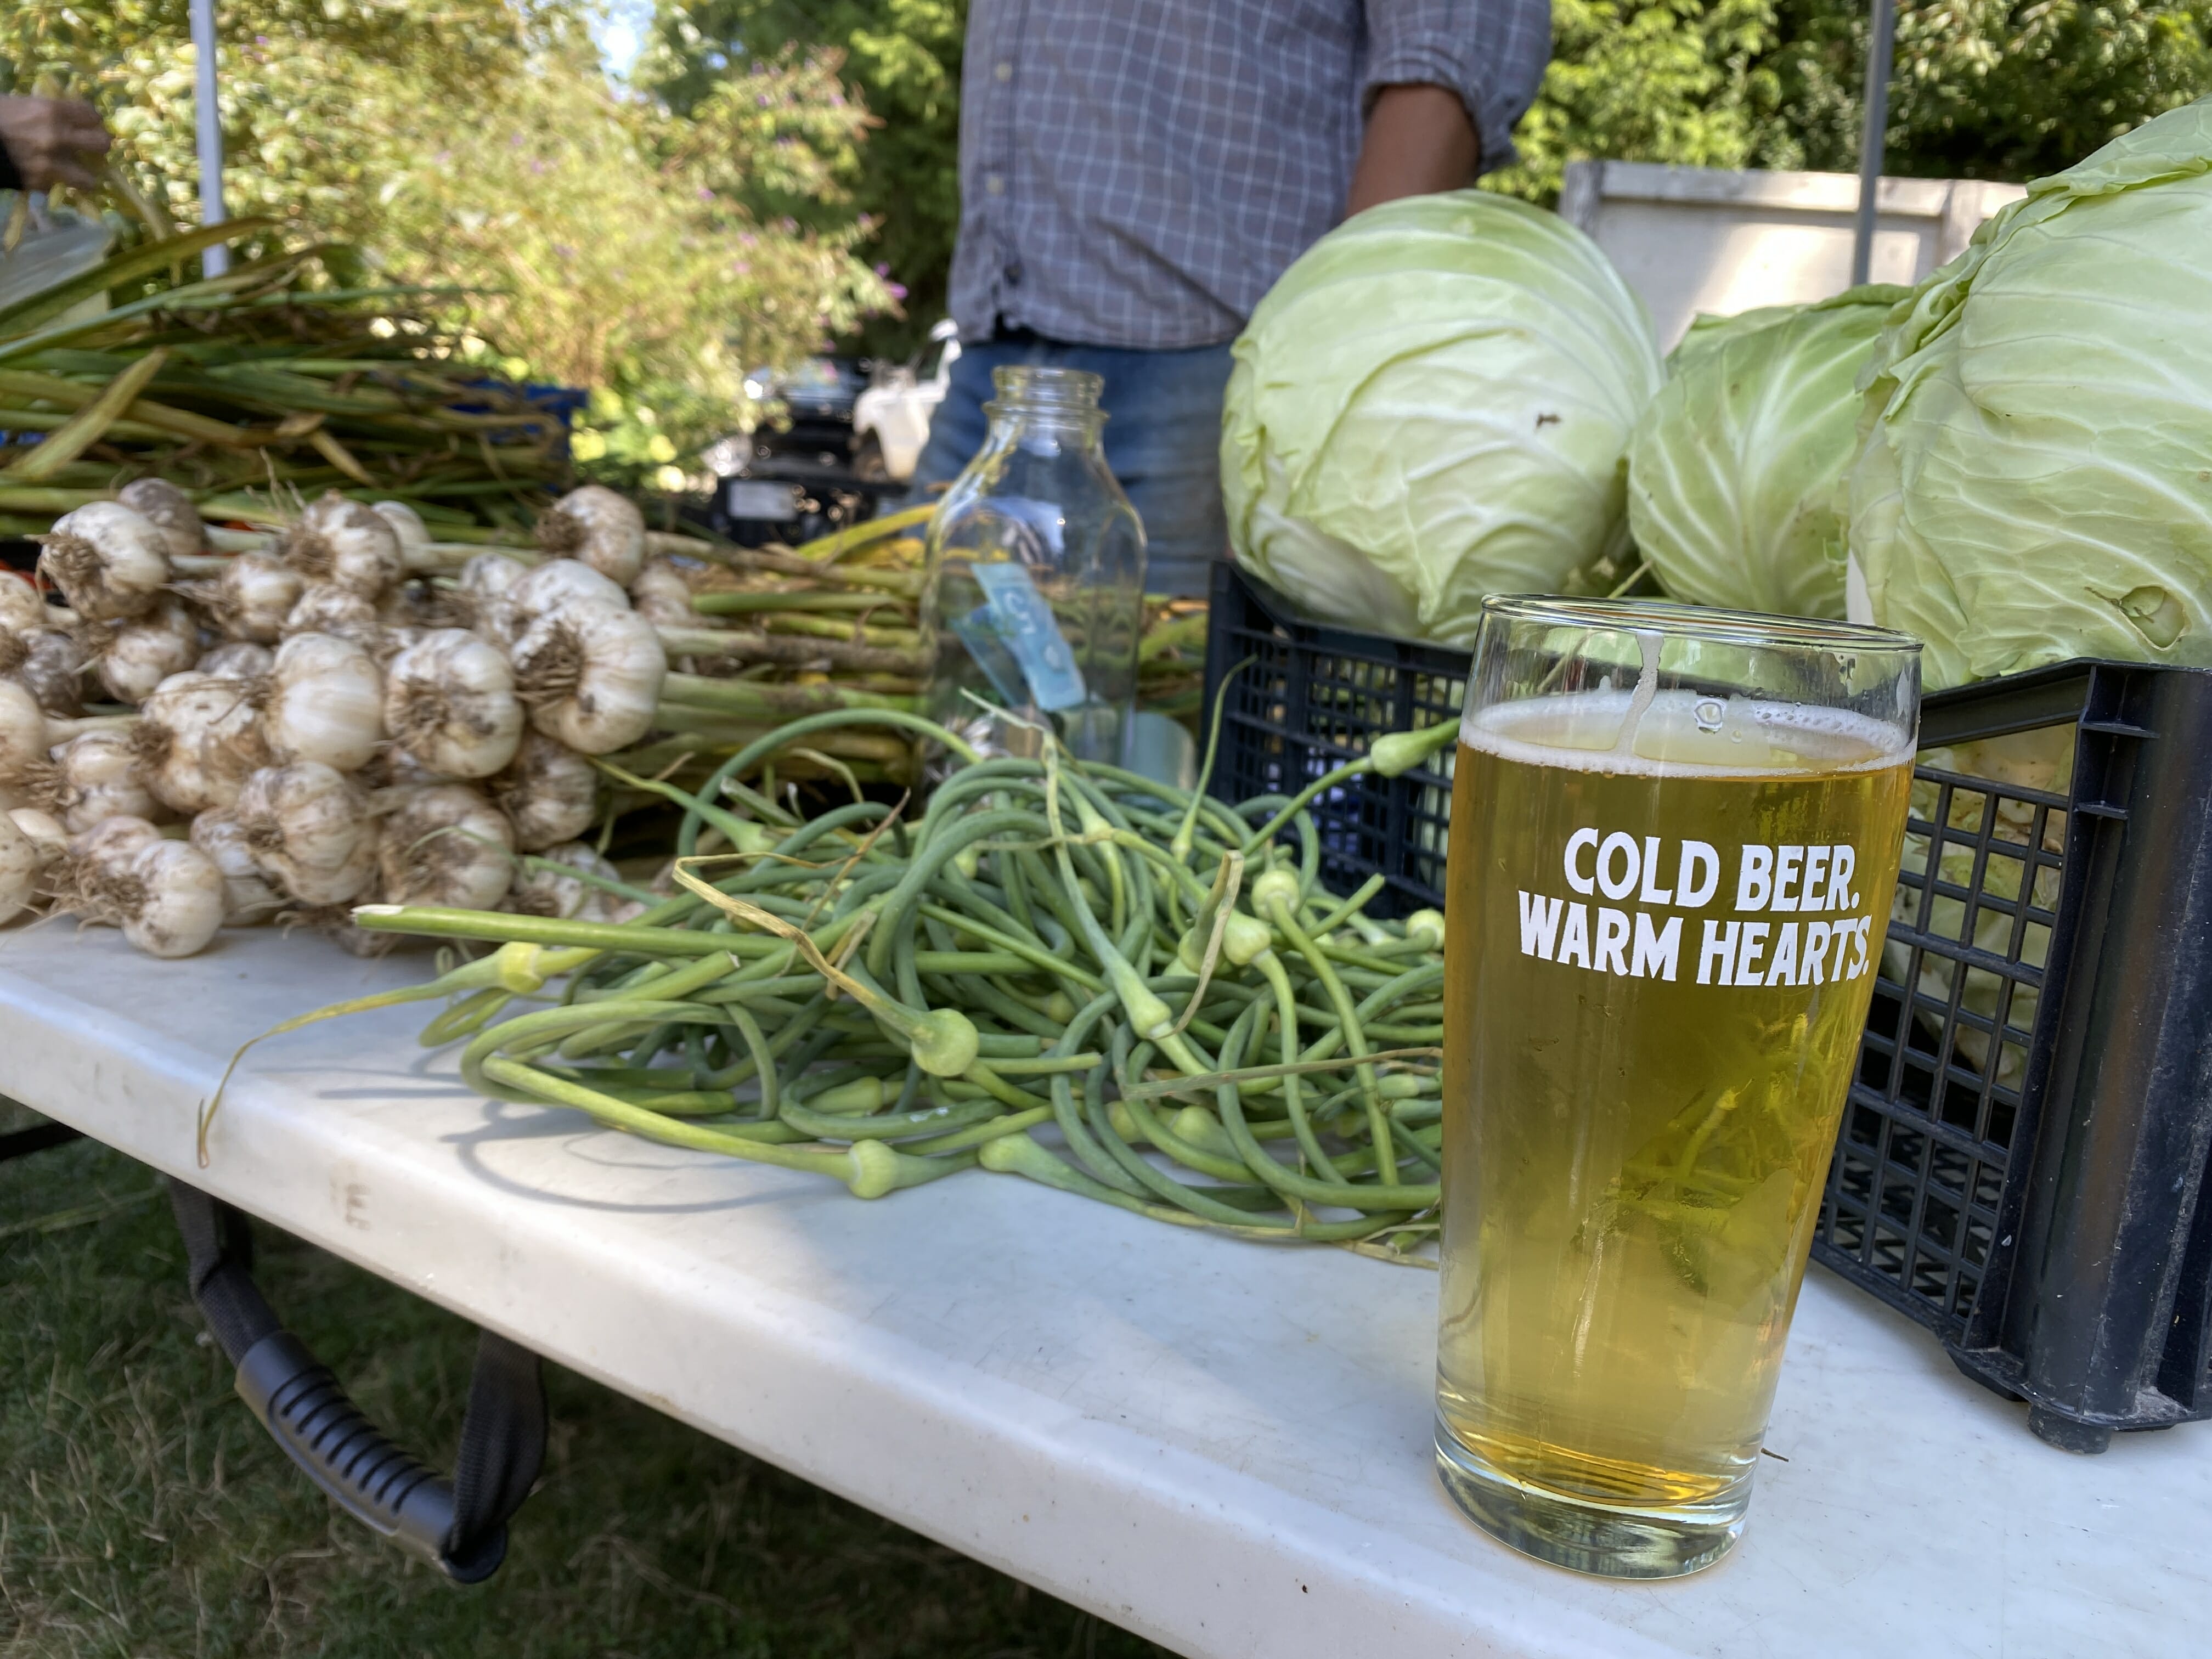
(1665, 913)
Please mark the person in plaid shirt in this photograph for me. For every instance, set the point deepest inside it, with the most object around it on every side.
(1134, 174)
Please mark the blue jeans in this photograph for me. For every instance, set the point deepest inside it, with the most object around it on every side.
(1163, 441)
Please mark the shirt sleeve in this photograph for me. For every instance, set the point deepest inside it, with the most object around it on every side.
(1491, 52)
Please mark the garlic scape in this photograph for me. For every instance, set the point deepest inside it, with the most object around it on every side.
(323, 701)
(446, 844)
(449, 700)
(598, 526)
(590, 675)
(109, 562)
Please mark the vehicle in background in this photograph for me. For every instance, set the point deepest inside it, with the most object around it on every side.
(792, 478)
(891, 420)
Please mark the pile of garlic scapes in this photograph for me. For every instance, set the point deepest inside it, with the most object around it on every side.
(317, 724)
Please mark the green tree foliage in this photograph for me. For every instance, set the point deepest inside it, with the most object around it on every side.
(902, 58)
(604, 239)
(1678, 81)
(1983, 89)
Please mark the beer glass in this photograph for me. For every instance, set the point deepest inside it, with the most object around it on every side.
(1675, 835)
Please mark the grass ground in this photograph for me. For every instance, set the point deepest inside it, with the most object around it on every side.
(143, 1513)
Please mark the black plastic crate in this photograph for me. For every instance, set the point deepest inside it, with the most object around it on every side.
(1313, 697)
(2020, 1164)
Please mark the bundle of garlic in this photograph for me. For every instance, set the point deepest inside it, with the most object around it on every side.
(299, 725)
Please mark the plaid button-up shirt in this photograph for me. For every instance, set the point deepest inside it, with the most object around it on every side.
(1138, 173)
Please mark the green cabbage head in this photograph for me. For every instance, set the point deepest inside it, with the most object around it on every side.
(1736, 473)
(2034, 481)
(1431, 406)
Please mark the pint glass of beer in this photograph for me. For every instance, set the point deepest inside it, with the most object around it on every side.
(1675, 834)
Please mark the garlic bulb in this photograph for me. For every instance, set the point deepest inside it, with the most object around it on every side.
(139, 654)
(483, 595)
(323, 701)
(446, 843)
(22, 610)
(21, 864)
(44, 827)
(591, 676)
(450, 699)
(170, 511)
(198, 739)
(557, 585)
(416, 606)
(247, 897)
(344, 543)
(327, 608)
(595, 525)
(238, 659)
(544, 892)
(109, 562)
(662, 597)
(166, 895)
(99, 779)
(49, 662)
(24, 737)
(549, 792)
(309, 830)
(255, 597)
(112, 838)
(407, 525)
(393, 768)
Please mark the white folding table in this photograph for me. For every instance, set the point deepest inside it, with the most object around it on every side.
(1224, 1446)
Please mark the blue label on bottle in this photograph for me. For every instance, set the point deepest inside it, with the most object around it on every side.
(1020, 618)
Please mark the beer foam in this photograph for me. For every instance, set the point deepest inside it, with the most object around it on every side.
(1684, 733)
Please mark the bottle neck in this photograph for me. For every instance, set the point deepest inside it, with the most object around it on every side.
(1055, 405)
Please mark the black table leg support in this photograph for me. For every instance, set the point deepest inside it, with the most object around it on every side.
(460, 1524)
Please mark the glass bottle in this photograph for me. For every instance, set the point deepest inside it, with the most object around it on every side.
(1033, 595)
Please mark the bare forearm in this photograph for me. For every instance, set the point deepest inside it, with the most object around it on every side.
(1419, 139)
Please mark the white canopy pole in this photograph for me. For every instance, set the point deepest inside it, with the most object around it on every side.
(1881, 30)
(208, 118)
